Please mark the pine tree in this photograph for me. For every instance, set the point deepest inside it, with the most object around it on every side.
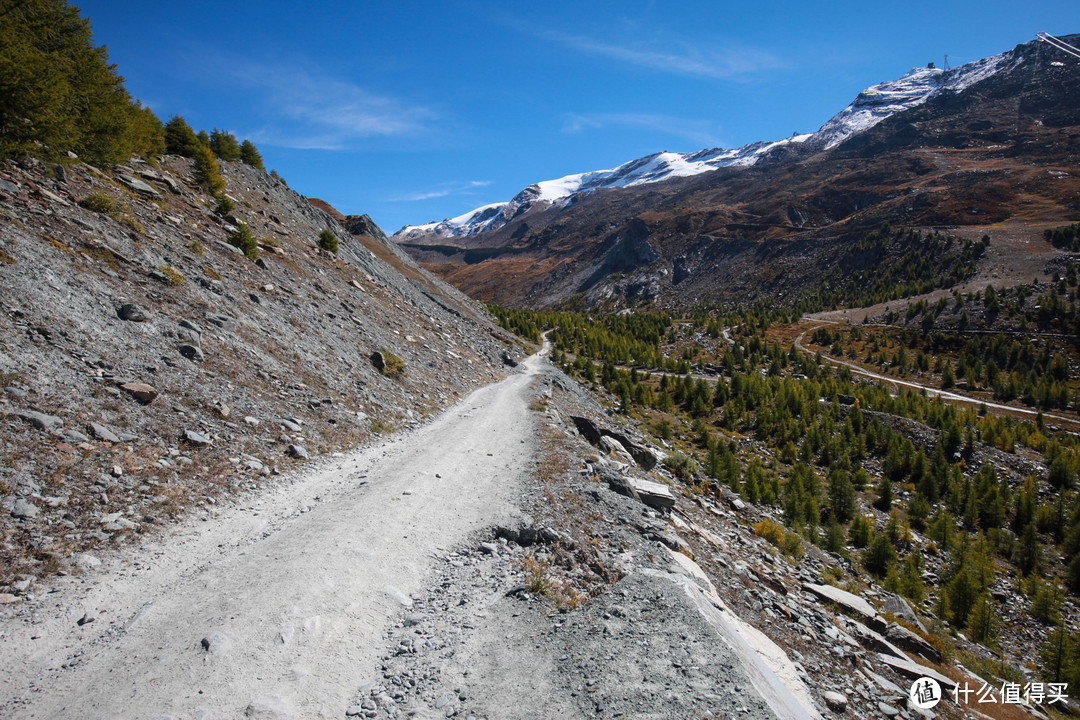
(224, 145)
(250, 154)
(884, 495)
(859, 531)
(208, 172)
(834, 536)
(879, 556)
(841, 496)
(180, 139)
(982, 626)
(328, 240)
(58, 92)
(1028, 553)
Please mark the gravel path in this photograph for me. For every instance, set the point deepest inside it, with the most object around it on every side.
(276, 607)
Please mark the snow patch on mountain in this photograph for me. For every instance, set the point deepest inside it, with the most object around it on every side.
(878, 102)
(874, 104)
(561, 191)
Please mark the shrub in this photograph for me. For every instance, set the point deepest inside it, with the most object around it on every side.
(770, 530)
(132, 223)
(175, 276)
(244, 240)
(792, 544)
(99, 202)
(381, 428)
(393, 366)
(328, 240)
(681, 466)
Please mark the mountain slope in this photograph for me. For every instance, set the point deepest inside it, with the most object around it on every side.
(873, 105)
(966, 148)
(248, 367)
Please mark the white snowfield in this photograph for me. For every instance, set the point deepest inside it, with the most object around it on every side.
(874, 104)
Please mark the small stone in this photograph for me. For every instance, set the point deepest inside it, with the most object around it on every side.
(74, 436)
(138, 185)
(887, 710)
(16, 392)
(133, 313)
(354, 710)
(103, 432)
(298, 451)
(222, 321)
(216, 643)
(40, 420)
(88, 617)
(7, 599)
(196, 438)
(192, 352)
(24, 509)
(290, 425)
(85, 561)
(836, 701)
(270, 707)
(489, 548)
(140, 391)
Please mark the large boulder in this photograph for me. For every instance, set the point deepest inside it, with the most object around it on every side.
(848, 602)
(654, 494)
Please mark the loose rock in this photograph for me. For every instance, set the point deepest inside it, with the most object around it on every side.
(133, 313)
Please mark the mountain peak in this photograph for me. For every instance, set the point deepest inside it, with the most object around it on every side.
(871, 106)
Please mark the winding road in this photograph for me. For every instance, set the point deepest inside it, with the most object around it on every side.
(932, 392)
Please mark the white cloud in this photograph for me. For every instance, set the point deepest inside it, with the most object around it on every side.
(443, 191)
(311, 111)
(675, 56)
(702, 133)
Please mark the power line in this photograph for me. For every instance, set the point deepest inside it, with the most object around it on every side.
(1058, 43)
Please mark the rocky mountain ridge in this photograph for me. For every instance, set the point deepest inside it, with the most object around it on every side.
(874, 104)
(990, 156)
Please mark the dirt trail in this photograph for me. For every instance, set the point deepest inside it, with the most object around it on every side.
(291, 591)
(930, 391)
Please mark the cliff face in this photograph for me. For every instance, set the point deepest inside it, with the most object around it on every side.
(149, 367)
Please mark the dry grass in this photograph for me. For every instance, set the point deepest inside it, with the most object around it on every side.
(541, 579)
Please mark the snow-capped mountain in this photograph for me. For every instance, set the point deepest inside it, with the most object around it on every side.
(872, 105)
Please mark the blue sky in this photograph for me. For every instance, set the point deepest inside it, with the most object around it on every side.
(418, 111)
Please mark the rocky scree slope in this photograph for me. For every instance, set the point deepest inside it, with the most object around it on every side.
(996, 155)
(150, 369)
